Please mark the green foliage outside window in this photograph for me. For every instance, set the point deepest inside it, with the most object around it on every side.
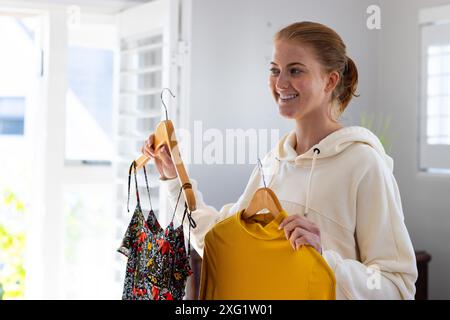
(12, 246)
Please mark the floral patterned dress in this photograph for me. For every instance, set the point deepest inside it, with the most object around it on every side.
(158, 263)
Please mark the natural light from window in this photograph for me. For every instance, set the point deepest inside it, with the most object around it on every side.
(19, 71)
(438, 95)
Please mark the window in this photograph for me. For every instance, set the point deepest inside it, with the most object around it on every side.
(89, 100)
(88, 238)
(12, 111)
(438, 94)
(435, 88)
(19, 64)
(89, 242)
(65, 100)
(18, 70)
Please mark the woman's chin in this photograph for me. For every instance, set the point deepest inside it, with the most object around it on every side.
(287, 112)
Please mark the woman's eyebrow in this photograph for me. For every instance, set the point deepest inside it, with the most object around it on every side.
(290, 64)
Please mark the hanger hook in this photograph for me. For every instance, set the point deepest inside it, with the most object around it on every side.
(162, 100)
(262, 172)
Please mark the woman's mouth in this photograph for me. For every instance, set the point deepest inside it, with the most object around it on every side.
(288, 97)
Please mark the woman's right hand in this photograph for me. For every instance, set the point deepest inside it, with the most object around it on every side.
(163, 159)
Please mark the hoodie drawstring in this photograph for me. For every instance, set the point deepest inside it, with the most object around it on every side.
(309, 180)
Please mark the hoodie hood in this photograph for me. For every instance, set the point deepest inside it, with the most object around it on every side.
(331, 145)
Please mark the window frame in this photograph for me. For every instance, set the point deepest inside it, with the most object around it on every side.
(432, 158)
(51, 174)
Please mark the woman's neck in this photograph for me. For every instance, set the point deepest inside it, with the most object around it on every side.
(311, 131)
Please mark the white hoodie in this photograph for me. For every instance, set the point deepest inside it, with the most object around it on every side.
(345, 185)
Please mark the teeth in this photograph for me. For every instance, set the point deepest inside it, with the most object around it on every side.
(288, 97)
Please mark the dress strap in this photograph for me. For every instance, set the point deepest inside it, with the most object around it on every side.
(148, 189)
(192, 224)
(133, 166)
(176, 205)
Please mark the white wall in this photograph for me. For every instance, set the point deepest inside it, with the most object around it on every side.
(426, 201)
(231, 51)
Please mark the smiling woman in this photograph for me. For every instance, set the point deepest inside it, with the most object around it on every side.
(336, 184)
(311, 58)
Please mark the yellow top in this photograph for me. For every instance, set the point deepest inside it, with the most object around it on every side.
(252, 259)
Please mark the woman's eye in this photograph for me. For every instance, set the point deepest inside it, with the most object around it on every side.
(274, 72)
(295, 71)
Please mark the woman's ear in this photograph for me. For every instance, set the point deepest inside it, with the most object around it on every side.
(332, 81)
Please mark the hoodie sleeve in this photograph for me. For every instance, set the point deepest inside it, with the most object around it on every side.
(206, 216)
(387, 267)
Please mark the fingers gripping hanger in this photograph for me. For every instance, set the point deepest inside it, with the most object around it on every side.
(263, 198)
(165, 135)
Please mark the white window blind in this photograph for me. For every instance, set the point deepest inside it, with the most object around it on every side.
(435, 88)
(438, 94)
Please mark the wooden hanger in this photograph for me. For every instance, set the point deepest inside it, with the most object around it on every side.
(263, 198)
(165, 134)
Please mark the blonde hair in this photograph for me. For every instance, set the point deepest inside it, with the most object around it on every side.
(330, 51)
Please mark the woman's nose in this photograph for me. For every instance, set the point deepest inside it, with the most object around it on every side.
(282, 82)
